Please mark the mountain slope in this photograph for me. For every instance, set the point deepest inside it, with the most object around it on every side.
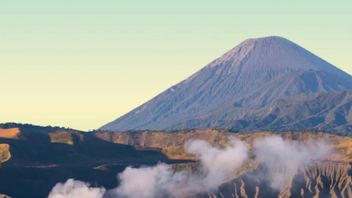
(231, 90)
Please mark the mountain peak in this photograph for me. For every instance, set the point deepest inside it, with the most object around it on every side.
(252, 43)
(272, 53)
(267, 39)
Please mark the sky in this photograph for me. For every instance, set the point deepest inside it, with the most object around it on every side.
(83, 63)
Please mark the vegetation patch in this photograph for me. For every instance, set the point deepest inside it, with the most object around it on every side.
(5, 154)
(61, 137)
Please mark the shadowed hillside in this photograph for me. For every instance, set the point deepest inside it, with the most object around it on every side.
(42, 156)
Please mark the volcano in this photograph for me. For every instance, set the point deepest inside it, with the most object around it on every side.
(265, 83)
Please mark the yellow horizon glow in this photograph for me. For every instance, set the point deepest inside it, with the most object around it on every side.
(81, 64)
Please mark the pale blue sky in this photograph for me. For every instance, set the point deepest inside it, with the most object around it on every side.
(82, 63)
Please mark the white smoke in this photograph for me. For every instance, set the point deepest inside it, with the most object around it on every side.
(148, 182)
(162, 180)
(74, 189)
(218, 163)
(283, 160)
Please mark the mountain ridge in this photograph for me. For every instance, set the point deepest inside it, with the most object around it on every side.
(247, 78)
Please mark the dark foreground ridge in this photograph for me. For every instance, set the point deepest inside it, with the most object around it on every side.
(33, 159)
